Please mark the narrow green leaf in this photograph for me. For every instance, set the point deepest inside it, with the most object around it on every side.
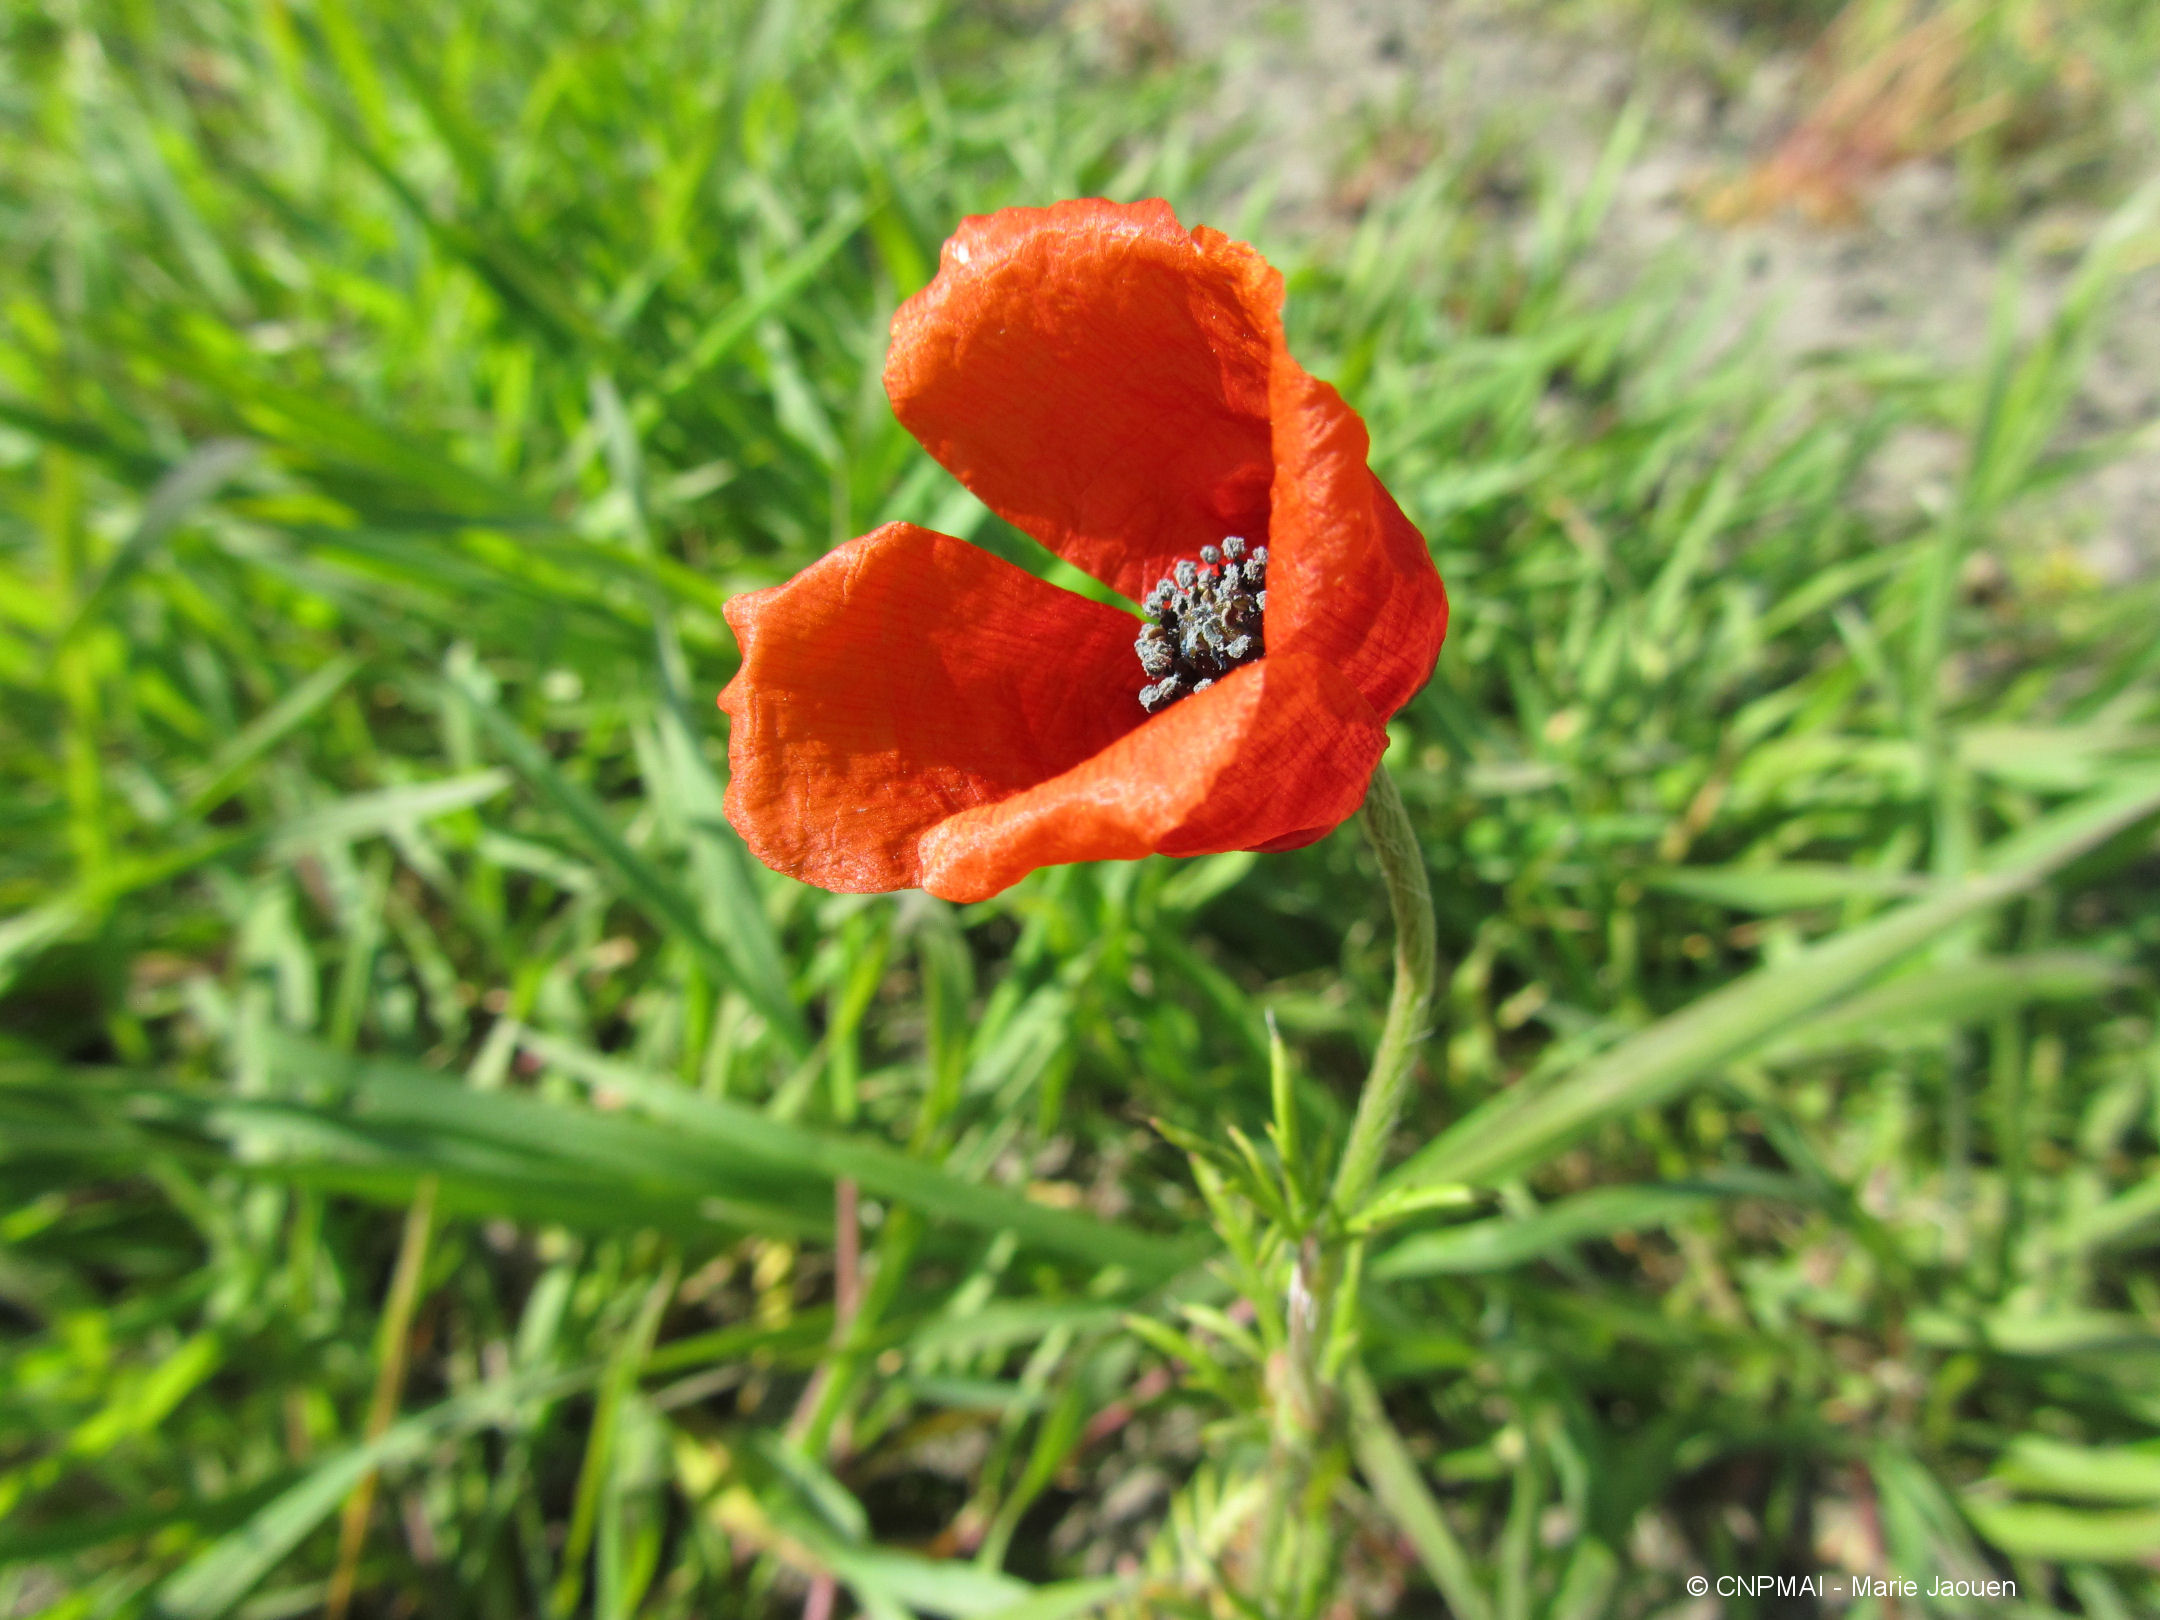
(1282, 1096)
(741, 318)
(897, 1581)
(194, 480)
(1587, 1587)
(86, 438)
(2060, 759)
(370, 815)
(24, 936)
(2129, 1218)
(1004, 1323)
(224, 772)
(721, 866)
(2056, 1333)
(1495, 1245)
(878, 1168)
(2086, 1473)
(663, 898)
(1789, 886)
(1393, 1475)
(68, 1536)
(1401, 1203)
(1917, 1006)
(933, 1586)
(1197, 883)
(617, 1385)
(2042, 1530)
(427, 1122)
(1649, 1067)
(223, 1573)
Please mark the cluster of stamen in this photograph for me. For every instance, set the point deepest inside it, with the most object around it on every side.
(1204, 620)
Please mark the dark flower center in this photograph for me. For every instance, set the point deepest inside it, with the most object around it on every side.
(1204, 620)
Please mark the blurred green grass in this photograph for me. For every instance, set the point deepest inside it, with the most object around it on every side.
(388, 402)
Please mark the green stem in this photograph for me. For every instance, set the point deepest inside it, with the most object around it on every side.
(1394, 841)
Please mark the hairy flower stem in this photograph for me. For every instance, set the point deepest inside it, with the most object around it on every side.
(1302, 1547)
(1394, 841)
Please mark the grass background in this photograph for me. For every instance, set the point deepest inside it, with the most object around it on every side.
(407, 1074)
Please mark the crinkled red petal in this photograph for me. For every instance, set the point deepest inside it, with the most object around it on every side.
(1120, 389)
(1099, 377)
(1350, 579)
(906, 678)
(1278, 750)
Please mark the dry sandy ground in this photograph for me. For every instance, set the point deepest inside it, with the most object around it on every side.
(1309, 79)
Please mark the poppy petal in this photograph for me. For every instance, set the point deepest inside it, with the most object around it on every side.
(1277, 751)
(903, 678)
(1099, 376)
(1350, 579)
(1120, 389)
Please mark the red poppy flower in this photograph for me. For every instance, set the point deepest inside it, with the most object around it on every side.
(913, 711)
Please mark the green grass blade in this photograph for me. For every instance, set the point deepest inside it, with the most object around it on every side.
(171, 503)
(741, 318)
(880, 1170)
(1651, 1066)
(204, 790)
(644, 882)
(721, 867)
(373, 815)
(2066, 1534)
(1393, 1475)
(1790, 886)
(2085, 1473)
(213, 1582)
(1919, 1006)
(1496, 1245)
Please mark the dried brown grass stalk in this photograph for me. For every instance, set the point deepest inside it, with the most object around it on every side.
(1900, 88)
